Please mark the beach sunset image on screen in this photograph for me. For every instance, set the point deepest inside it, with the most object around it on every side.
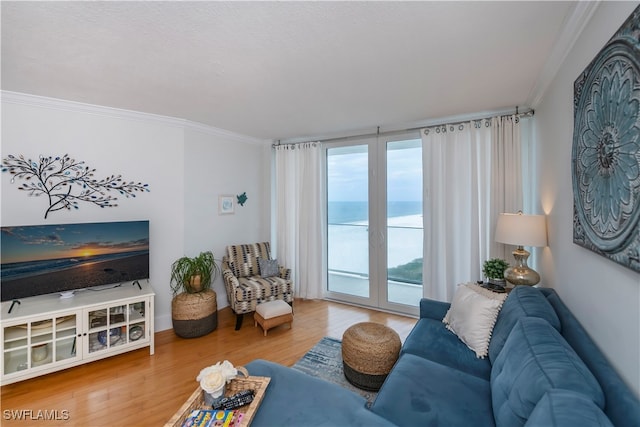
(43, 259)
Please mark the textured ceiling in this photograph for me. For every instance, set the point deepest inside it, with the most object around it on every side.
(283, 69)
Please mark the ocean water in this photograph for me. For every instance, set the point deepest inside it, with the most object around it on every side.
(348, 235)
(350, 212)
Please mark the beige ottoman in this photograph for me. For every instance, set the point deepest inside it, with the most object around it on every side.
(272, 313)
(369, 351)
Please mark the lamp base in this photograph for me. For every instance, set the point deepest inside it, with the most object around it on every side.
(521, 274)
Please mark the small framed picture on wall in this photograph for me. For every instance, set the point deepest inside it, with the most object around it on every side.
(225, 205)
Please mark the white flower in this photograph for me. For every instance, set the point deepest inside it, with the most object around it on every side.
(213, 378)
(213, 383)
(228, 371)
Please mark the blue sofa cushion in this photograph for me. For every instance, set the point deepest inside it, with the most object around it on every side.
(523, 301)
(564, 408)
(419, 392)
(622, 406)
(534, 360)
(431, 340)
(294, 398)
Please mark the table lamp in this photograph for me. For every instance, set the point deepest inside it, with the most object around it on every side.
(521, 230)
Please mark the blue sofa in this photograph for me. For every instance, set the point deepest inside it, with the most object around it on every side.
(542, 370)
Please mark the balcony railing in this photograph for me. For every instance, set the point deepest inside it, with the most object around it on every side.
(348, 261)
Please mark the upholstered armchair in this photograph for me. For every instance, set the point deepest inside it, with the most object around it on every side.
(252, 277)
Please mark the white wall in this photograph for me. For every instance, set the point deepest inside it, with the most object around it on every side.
(603, 295)
(217, 164)
(185, 170)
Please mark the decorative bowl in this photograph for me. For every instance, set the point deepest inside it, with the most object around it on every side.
(114, 336)
(136, 332)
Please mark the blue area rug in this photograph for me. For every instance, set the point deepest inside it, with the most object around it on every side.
(324, 361)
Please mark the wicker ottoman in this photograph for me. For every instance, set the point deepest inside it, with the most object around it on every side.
(273, 313)
(369, 351)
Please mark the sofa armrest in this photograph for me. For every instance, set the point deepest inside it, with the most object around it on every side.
(433, 309)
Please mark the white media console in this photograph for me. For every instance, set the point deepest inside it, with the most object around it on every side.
(46, 333)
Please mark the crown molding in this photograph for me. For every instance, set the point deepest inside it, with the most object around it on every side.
(226, 134)
(572, 28)
(80, 107)
(20, 98)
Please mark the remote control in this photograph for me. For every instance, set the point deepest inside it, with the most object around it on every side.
(232, 402)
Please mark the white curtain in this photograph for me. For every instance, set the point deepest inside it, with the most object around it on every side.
(300, 216)
(470, 173)
(506, 176)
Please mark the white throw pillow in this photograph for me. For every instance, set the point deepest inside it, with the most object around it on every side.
(472, 314)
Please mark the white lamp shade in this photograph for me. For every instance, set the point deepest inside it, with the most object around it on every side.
(522, 230)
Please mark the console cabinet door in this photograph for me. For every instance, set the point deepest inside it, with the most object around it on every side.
(39, 344)
(109, 327)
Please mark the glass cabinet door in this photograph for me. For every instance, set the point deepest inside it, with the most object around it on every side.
(65, 337)
(137, 319)
(39, 343)
(16, 348)
(106, 328)
(116, 325)
(41, 348)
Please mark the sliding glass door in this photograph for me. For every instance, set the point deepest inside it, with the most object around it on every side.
(404, 221)
(348, 221)
(374, 216)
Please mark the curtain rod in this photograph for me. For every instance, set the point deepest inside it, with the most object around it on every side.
(523, 115)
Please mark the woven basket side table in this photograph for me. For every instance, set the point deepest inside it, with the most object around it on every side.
(369, 351)
(194, 315)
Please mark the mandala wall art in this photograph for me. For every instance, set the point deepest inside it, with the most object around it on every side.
(606, 149)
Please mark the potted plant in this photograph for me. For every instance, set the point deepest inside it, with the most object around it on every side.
(194, 305)
(493, 269)
(194, 274)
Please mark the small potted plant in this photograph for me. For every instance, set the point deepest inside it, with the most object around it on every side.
(194, 274)
(194, 307)
(493, 269)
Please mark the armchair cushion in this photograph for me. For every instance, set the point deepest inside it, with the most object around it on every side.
(261, 288)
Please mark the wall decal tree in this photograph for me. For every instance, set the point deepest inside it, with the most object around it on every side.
(60, 179)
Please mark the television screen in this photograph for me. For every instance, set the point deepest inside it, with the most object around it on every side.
(45, 259)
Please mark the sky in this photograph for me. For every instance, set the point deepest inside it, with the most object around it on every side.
(40, 242)
(347, 173)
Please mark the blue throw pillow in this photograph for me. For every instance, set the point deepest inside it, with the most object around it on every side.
(534, 360)
(268, 267)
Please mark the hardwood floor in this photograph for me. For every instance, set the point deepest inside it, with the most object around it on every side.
(136, 389)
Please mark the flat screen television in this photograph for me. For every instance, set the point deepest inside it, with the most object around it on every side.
(47, 259)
